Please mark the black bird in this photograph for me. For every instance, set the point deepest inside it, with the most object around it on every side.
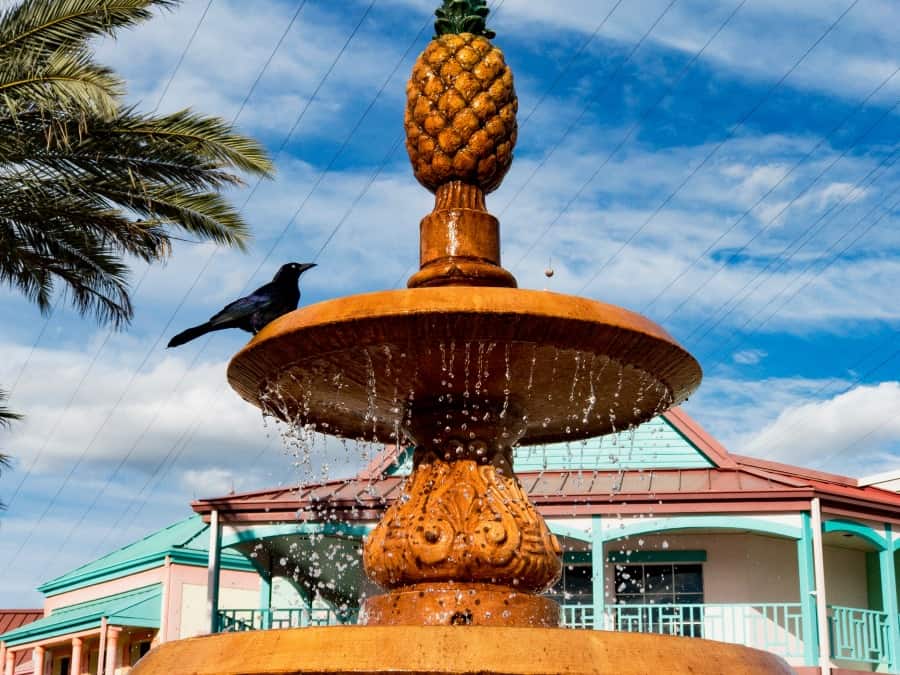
(265, 304)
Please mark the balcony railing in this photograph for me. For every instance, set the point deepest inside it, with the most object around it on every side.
(861, 635)
(236, 620)
(775, 627)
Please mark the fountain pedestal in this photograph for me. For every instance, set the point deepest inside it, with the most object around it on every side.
(463, 365)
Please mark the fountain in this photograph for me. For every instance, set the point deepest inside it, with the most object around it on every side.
(463, 365)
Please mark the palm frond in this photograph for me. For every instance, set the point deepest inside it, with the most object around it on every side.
(206, 215)
(85, 183)
(209, 137)
(65, 80)
(93, 274)
(45, 26)
(7, 417)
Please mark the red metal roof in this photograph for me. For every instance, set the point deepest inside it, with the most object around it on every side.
(10, 619)
(735, 484)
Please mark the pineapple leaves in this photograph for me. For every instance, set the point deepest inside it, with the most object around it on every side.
(462, 16)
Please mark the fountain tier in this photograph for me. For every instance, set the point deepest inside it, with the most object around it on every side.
(538, 366)
(464, 365)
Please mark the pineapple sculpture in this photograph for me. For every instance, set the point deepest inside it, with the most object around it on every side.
(461, 104)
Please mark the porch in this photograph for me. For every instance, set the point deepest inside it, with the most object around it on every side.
(743, 579)
(857, 635)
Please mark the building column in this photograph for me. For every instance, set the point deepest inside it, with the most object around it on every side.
(165, 601)
(807, 575)
(112, 650)
(889, 597)
(598, 569)
(37, 661)
(212, 573)
(9, 662)
(75, 668)
(101, 650)
(821, 602)
(265, 597)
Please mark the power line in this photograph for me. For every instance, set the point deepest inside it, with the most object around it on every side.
(817, 226)
(778, 215)
(162, 96)
(810, 279)
(356, 201)
(569, 64)
(156, 342)
(859, 439)
(719, 145)
(268, 61)
(609, 80)
(631, 131)
(389, 154)
(859, 378)
(184, 52)
(774, 187)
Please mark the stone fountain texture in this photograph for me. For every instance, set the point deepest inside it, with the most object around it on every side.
(463, 556)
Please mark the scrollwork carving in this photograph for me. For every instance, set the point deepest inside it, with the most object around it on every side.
(463, 518)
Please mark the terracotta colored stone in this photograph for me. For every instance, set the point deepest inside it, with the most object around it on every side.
(635, 368)
(365, 650)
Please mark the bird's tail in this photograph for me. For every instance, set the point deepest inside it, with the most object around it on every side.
(191, 334)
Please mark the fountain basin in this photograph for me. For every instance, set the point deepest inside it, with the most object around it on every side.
(452, 650)
(537, 366)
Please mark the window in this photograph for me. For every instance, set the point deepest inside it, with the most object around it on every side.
(666, 598)
(575, 586)
(65, 664)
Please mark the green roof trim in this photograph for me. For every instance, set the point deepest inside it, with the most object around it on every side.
(140, 607)
(656, 556)
(185, 542)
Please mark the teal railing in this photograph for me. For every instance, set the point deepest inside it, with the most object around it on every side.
(577, 616)
(861, 635)
(237, 620)
(775, 627)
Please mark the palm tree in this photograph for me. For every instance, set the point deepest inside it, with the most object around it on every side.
(6, 418)
(86, 182)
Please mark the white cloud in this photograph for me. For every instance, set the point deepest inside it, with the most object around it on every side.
(762, 41)
(851, 430)
(748, 357)
(799, 421)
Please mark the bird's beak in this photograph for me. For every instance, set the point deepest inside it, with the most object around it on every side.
(306, 266)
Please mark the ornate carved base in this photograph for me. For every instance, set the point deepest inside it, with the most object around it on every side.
(450, 604)
(463, 518)
(463, 545)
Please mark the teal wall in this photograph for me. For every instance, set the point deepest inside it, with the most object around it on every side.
(653, 445)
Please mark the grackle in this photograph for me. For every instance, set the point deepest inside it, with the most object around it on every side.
(265, 304)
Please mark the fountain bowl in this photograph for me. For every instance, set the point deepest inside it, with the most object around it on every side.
(539, 366)
(358, 650)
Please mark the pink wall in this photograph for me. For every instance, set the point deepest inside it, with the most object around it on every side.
(182, 576)
(103, 589)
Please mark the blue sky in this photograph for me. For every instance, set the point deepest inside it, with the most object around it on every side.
(746, 198)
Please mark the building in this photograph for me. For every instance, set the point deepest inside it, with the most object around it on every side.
(10, 619)
(122, 604)
(663, 531)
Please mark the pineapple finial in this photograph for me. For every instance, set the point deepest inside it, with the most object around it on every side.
(462, 16)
